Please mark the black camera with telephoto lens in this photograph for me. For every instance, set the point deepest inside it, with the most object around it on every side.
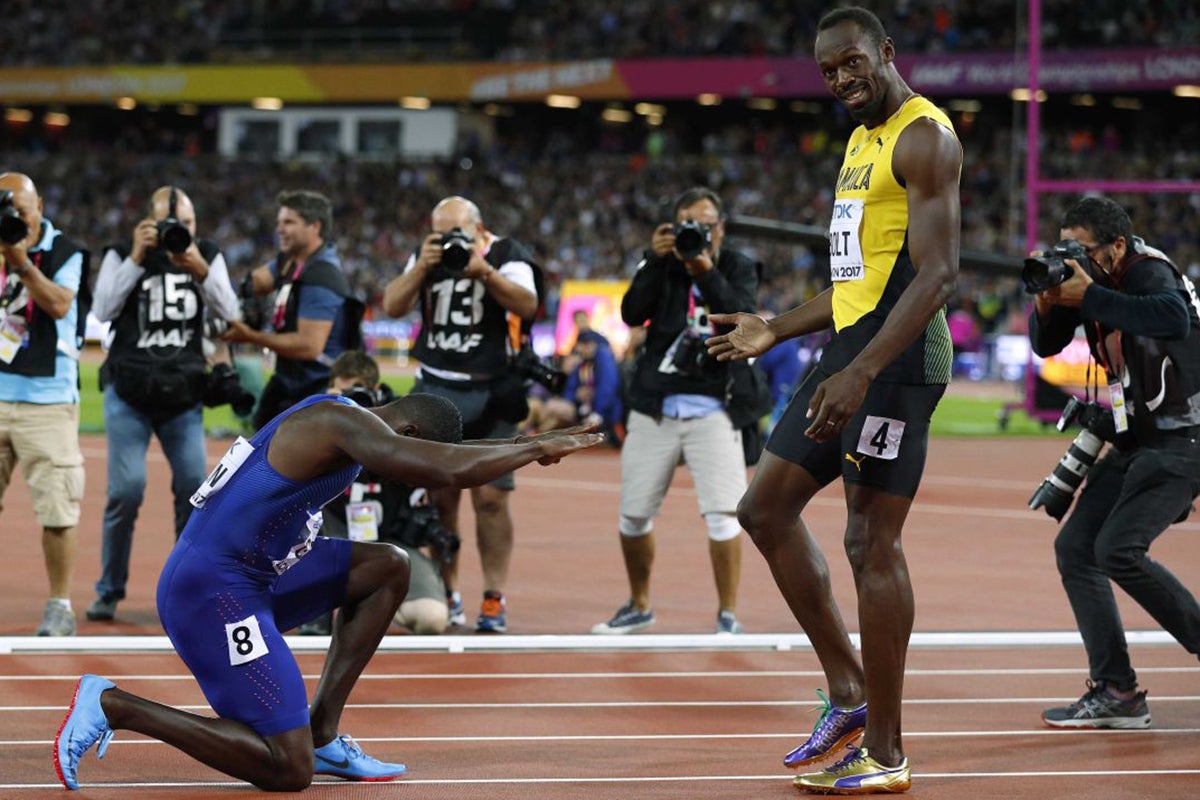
(369, 398)
(173, 235)
(692, 238)
(423, 528)
(457, 246)
(13, 229)
(527, 365)
(222, 386)
(1058, 489)
(1050, 269)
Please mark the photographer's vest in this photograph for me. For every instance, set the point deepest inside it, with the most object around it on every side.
(463, 328)
(1163, 376)
(319, 270)
(869, 258)
(159, 331)
(38, 359)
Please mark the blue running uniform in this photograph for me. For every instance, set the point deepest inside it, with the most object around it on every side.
(249, 565)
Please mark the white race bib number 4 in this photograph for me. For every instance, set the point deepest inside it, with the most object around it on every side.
(845, 248)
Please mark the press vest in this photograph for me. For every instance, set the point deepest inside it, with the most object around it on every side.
(318, 271)
(870, 264)
(161, 323)
(1163, 377)
(463, 328)
(38, 359)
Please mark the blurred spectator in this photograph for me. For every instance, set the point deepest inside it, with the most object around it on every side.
(593, 392)
(782, 366)
(90, 32)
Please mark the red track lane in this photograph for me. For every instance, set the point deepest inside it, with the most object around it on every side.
(501, 725)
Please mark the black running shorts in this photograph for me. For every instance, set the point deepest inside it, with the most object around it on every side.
(883, 446)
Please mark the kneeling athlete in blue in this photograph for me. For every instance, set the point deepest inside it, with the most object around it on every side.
(250, 565)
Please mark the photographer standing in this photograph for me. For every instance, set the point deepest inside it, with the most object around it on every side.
(1142, 319)
(683, 402)
(155, 292)
(315, 316)
(43, 282)
(471, 284)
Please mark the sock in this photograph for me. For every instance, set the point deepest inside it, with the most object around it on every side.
(1126, 694)
(65, 602)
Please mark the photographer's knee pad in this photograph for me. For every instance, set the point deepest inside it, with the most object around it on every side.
(635, 526)
(722, 527)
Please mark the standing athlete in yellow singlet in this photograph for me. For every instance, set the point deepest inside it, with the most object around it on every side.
(864, 412)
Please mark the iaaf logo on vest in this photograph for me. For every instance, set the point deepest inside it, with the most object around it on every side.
(454, 341)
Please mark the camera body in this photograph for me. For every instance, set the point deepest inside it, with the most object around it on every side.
(213, 327)
(1058, 489)
(527, 365)
(691, 358)
(1050, 269)
(423, 527)
(173, 235)
(13, 229)
(367, 398)
(692, 238)
(457, 247)
(222, 386)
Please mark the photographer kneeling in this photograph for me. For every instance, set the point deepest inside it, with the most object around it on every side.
(1142, 319)
(685, 403)
(155, 292)
(375, 510)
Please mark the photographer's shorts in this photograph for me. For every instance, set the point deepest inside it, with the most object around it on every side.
(45, 440)
(883, 446)
(478, 421)
(424, 579)
(711, 447)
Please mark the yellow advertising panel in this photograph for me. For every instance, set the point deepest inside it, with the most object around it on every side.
(1070, 367)
(318, 83)
(601, 301)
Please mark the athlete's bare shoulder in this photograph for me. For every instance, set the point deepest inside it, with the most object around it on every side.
(927, 153)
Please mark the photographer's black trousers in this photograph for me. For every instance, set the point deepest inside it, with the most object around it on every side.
(1129, 500)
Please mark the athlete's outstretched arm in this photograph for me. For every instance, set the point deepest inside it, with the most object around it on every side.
(331, 435)
(752, 335)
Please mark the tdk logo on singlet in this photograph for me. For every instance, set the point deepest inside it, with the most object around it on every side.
(855, 179)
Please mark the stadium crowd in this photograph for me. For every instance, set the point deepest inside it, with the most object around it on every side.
(582, 197)
(92, 32)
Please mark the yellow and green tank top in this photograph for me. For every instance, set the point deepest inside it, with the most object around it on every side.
(868, 252)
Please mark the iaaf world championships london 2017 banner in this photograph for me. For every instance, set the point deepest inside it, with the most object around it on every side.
(964, 74)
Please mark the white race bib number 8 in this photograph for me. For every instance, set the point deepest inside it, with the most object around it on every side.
(245, 641)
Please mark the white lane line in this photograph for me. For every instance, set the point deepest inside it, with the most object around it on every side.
(1113, 773)
(931, 701)
(553, 676)
(652, 737)
(781, 642)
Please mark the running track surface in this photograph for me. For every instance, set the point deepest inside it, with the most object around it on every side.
(692, 716)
